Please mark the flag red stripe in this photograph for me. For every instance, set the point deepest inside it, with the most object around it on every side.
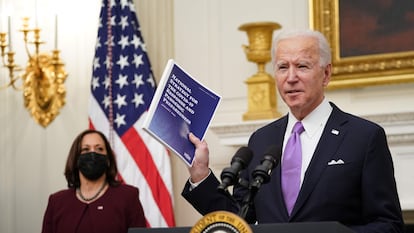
(144, 161)
(91, 126)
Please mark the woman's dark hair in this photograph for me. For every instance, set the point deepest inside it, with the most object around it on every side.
(72, 170)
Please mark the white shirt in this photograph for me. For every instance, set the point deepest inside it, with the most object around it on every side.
(314, 123)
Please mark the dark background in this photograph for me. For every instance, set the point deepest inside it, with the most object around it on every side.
(372, 27)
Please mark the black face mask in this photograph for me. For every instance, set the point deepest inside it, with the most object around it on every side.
(92, 165)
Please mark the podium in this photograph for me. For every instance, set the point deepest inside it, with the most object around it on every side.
(299, 227)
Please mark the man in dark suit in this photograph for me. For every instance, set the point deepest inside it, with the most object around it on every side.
(346, 171)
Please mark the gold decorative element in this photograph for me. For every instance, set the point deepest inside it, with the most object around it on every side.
(261, 87)
(221, 221)
(358, 71)
(43, 79)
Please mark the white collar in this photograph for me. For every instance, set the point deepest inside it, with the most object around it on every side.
(314, 120)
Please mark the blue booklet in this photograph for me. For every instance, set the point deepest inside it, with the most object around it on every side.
(180, 105)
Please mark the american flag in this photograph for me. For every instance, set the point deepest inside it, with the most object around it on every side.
(122, 88)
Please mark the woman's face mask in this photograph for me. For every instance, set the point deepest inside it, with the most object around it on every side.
(92, 165)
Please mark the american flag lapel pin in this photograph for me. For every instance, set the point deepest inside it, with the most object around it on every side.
(335, 131)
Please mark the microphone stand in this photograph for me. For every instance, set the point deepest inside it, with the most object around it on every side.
(261, 175)
(248, 199)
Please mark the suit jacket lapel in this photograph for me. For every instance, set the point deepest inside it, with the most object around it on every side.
(325, 150)
(277, 174)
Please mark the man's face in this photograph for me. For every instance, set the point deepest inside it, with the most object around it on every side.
(299, 76)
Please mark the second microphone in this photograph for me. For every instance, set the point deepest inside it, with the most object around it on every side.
(230, 175)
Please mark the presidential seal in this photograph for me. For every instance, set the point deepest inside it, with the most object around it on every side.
(221, 222)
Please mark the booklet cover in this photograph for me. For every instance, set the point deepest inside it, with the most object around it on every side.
(180, 105)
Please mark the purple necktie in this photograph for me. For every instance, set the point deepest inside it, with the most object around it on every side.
(291, 167)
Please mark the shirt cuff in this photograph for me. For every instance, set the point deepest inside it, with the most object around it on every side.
(194, 185)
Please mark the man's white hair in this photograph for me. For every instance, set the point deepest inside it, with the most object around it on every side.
(324, 49)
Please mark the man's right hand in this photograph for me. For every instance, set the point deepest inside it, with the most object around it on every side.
(200, 169)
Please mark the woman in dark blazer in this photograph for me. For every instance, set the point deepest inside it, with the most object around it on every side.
(95, 201)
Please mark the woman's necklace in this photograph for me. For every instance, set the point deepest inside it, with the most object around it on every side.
(94, 196)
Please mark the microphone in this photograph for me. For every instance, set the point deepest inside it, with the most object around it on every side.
(240, 160)
(261, 174)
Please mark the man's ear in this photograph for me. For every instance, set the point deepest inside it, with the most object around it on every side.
(327, 74)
